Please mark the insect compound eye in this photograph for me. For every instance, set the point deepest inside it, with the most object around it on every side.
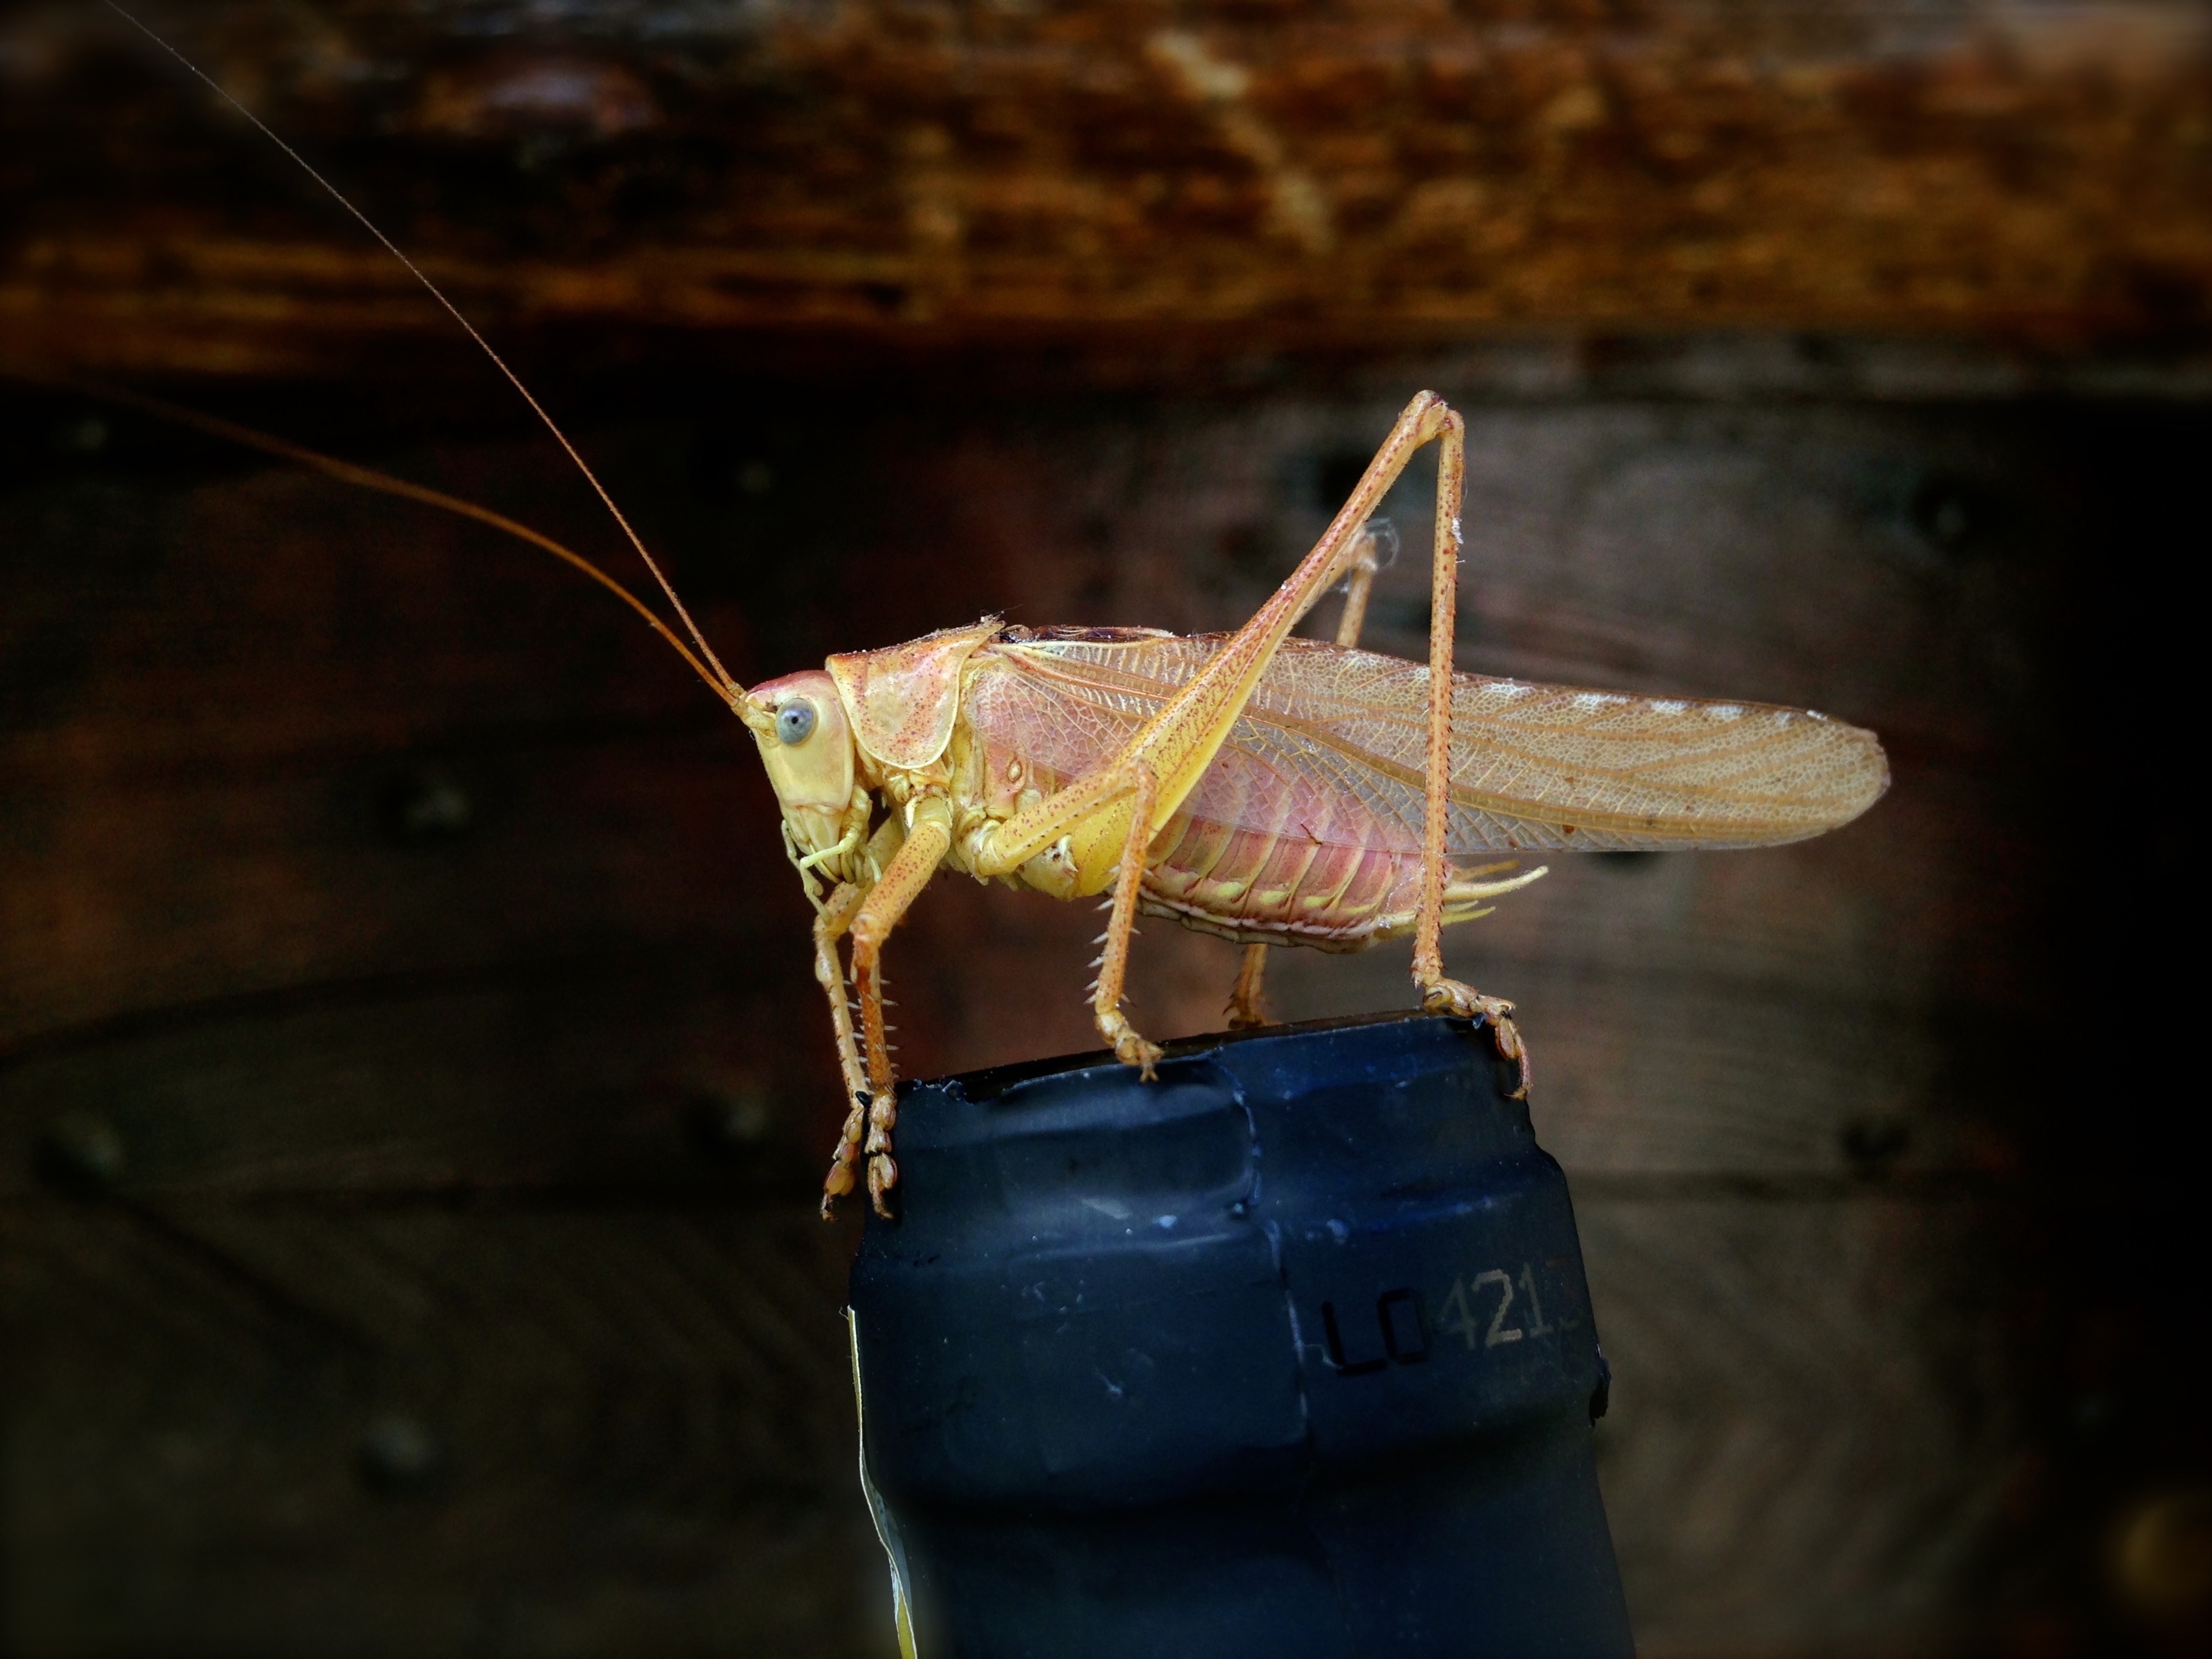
(794, 721)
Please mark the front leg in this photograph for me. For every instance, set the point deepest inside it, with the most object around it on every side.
(928, 835)
(830, 924)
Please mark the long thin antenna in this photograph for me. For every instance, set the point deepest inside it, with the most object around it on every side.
(729, 686)
(367, 478)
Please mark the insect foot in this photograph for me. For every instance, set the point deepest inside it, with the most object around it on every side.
(882, 1171)
(1128, 1047)
(883, 1176)
(1245, 1010)
(843, 1163)
(1448, 996)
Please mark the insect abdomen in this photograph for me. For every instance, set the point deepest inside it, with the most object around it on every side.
(1261, 888)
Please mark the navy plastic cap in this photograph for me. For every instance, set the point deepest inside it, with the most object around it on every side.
(1289, 1352)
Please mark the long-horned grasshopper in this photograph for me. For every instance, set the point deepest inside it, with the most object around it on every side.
(1271, 790)
(1267, 789)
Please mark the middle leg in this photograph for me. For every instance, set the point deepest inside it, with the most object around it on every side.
(1129, 1048)
(1246, 1009)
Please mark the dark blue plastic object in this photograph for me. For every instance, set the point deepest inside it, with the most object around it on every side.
(1286, 1356)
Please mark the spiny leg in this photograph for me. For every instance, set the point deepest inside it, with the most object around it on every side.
(1438, 993)
(904, 877)
(1180, 741)
(830, 923)
(1356, 589)
(1173, 748)
(1246, 1008)
(833, 919)
(1129, 1048)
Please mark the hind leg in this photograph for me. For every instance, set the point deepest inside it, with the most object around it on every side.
(1440, 994)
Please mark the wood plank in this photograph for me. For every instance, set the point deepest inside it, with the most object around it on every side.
(882, 176)
(1814, 1429)
(300, 879)
(659, 841)
(636, 1076)
(413, 1123)
(1822, 579)
(638, 1433)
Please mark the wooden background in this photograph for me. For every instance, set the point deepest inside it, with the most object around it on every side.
(411, 1084)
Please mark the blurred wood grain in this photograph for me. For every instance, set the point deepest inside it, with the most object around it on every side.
(904, 172)
(291, 1428)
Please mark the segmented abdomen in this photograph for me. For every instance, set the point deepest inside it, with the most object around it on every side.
(1258, 888)
(1256, 854)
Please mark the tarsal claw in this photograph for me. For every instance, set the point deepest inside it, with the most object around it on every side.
(1448, 996)
(883, 1176)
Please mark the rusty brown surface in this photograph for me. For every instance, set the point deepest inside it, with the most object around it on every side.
(912, 174)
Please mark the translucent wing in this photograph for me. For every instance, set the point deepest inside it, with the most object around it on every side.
(1334, 742)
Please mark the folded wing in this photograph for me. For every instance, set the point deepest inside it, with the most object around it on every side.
(1333, 747)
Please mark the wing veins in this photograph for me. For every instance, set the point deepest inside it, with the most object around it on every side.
(1757, 772)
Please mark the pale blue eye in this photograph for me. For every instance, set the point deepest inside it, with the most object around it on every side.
(795, 722)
